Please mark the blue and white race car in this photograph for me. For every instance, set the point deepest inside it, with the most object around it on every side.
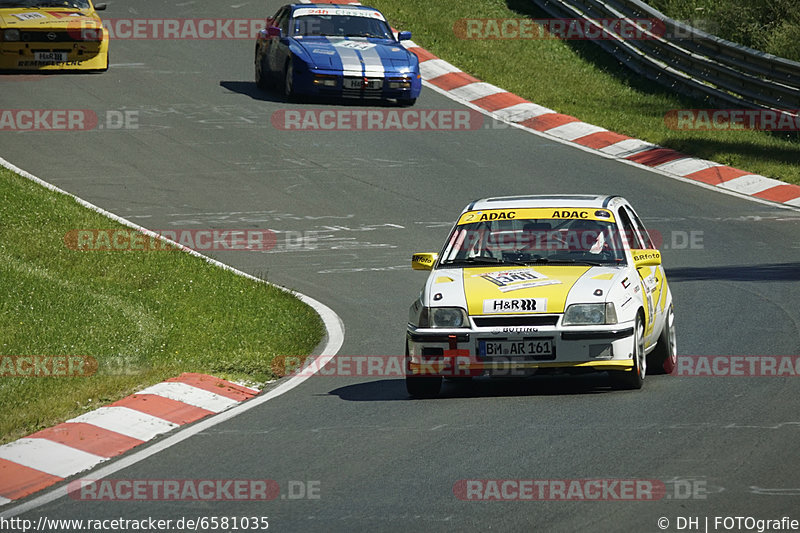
(325, 50)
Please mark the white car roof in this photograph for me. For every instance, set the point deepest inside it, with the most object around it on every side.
(543, 200)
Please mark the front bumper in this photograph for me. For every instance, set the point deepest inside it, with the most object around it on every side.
(78, 55)
(311, 82)
(575, 349)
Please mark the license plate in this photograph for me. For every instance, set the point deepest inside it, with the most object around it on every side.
(55, 57)
(358, 83)
(533, 348)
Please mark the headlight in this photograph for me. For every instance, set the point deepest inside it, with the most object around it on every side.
(399, 83)
(326, 80)
(587, 314)
(443, 317)
(11, 35)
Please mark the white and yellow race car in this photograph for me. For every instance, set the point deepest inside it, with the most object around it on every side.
(541, 284)
(52, 35)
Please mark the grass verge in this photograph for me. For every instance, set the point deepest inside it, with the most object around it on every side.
(579, 79)
(144, 316)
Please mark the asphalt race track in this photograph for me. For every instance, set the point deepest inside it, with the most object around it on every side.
(204, 154)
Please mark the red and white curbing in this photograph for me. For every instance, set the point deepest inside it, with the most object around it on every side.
(512, 109)
(44, 458)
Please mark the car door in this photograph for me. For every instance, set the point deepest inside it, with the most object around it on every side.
(647, 275)
(659, 277)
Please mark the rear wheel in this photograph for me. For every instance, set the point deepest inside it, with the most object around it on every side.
(262, 81)
(634, 378)
(664, 357)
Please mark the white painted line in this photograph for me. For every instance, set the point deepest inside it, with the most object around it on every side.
(749, 184)
(4, 500)
(521, 112)
(49, 457)
(473, 91)
(411, 44)
(574, 130)
(688, 165)
(195, 396)
(627, 147)
(127, 422)
(435, 68)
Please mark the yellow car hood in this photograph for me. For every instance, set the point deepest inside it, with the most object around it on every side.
(552, 283)
(47, 18)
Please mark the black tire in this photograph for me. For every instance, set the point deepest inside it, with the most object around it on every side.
(262, 80)
(421, 386)
(664, 357)
(634, 378)
(288, 81)
(424, 386)
(406, 102)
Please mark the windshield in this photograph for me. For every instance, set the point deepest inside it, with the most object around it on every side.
(70, 4)
(340, 26)
(534, 241)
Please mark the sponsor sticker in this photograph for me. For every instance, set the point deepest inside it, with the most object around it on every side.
(29, 16)
(355, 45)
(337, 11)
(521, 278)
(536, 213)
(514, 305)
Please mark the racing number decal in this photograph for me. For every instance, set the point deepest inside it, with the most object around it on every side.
(649, 288)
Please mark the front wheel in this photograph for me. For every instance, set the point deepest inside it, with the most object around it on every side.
(406, 102)
(664, 357)
(421, 386)
(634, 378)
(424, 386)
(288, 81)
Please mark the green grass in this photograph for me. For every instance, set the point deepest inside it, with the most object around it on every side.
(144, 316)
(579, 79)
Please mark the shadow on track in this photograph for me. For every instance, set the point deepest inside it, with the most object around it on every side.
(395, 389)
(760, 273)
(249, 88)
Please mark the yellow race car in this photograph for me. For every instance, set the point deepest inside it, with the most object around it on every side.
(52, 35)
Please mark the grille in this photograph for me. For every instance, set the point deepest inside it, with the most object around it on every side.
(76, 35)
(500, 321)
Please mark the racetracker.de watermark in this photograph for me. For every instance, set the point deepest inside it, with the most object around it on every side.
(170, 29)
(47, 366)
(377, 120)
(67, 120)
(596, 489)
(733, 119)
(561, 28)
(192, 490)
(737, 366)
(559, 489)
(201, 240)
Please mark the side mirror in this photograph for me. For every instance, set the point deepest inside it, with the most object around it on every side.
(274, 31)
(404, 36)
(646, 258)
(100, 7)
(423, 261)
